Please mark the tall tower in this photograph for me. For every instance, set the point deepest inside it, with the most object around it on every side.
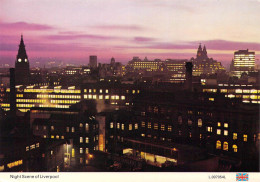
(92, 61)
(22, 68)
(199, 52)
(204, 53)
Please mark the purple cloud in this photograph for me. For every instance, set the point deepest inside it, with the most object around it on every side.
(120, 27)
(72, 36)
(143, 39)
(230, 45)
(210, 44)
(23, 26)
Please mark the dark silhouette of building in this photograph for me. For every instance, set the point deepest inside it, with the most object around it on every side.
(22, 68)
(92, 61)
(189, 67)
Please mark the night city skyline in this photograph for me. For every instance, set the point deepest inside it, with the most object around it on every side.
(72, 31)
(130, 86)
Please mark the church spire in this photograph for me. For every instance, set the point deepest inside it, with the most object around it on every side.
(22, 52)
(199, 52)
(205, 54)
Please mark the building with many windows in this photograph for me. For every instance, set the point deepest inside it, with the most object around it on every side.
(244, 62)
(202, 64)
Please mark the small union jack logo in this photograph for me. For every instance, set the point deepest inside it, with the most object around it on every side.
(242, 177)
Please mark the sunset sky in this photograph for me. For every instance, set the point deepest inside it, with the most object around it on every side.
(72, 30)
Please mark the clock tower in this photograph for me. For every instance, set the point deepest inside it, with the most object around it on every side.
(22, 68)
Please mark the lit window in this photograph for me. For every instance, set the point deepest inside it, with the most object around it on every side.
(162, 127)
(225, 146)
(81, 150)
(52, 128)
(143, 124)
(143, 135)
(72, 129)
(149, 125)
(218, 131)
(81, 139)
(225, 132)
(156, 126)
(136, 126)
(86, 151)
(86, 127)
(219, 124)
(80, 125)
(27, 148)
(235, 148)
(199, 122)
(226, 125)
(87, 140)
(130, 127)
(73, 152)
(111, 125)
(169, 128)
(234, 136)
(118, 125)
(209, 129)
(245, 138)
(190, 135)
(68, 129)
(57, 136)
(218, 144)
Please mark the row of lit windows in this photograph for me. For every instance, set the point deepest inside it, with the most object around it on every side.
(113, 97)
(57, 137)
(225, 146)
(95, 90)
(15, 163)
(54, 106)
(51, 90)
(31, 100)
(59, 96)
(65, 101)
(31, 147)
(122, 126)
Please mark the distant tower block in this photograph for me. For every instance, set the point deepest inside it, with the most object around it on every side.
(188, 81)
(22, 68)
(92, 61)
(112, 62)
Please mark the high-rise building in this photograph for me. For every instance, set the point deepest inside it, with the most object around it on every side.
(244, 62)
(92, 61)
(22, 68)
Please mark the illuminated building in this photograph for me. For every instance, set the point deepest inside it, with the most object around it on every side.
(63, 97)
(172, 70)
(75, 125)
(31, 154)
(92, 61)
(22, 73)
(181, 120)
(205, 65)
(248, 93)
(244, 62)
